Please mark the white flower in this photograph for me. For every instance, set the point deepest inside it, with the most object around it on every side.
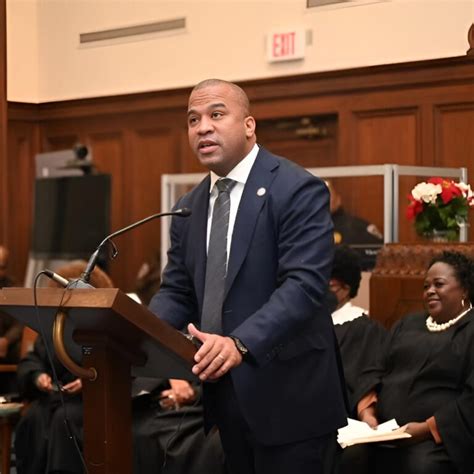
(466, 192)
(427, 192)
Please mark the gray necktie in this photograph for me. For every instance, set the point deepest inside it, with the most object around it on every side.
(216, 267)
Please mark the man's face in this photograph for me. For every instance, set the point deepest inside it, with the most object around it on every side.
(220, 132)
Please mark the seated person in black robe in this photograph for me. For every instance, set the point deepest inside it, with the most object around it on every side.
(168, 433)
(350, 229)
(426, 379)
(354, 231)
(42, 443)
(167, 424)
(166, 415)
(10, 331)
(360, 338)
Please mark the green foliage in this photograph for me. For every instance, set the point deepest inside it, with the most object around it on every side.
(440, 217)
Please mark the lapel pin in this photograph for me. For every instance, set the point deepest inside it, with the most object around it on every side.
(261, 192)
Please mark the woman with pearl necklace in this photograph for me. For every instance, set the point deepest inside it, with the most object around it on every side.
(425, 379)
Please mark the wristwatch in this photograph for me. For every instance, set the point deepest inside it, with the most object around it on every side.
(239, 345)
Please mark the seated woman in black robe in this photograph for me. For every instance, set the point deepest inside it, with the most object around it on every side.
(359, 337)
(426, 379)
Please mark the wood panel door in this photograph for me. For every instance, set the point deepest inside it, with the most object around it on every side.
(310, 141)
(454, 141)
(155, 152)
(383, 136)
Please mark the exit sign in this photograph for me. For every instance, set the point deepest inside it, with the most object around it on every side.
(285, 45)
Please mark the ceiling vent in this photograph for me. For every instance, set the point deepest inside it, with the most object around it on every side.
(347, 3)
(132, 31)
(320, 3)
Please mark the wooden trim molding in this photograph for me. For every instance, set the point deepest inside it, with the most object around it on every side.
(23, 111)
(348, 81)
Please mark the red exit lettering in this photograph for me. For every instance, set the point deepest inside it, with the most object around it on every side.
(283, 44)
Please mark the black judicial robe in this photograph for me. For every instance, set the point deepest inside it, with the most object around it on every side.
(42, 443)
(430, 373)
(354, 230)
(173, 442)
(360, 342)
(174, 438)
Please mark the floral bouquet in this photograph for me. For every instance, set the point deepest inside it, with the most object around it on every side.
(439, 206)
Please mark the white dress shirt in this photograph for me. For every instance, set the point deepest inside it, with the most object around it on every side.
(239, 174)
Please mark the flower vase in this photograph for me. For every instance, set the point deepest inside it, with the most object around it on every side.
(441, 236)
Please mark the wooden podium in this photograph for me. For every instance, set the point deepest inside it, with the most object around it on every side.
(113, 337)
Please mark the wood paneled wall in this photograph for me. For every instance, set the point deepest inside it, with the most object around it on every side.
(419, 113)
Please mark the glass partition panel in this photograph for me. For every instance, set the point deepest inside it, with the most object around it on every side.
(373, 200)
(361, 205)
(368, 205)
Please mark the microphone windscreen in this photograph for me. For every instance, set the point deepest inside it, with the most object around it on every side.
(184, 212)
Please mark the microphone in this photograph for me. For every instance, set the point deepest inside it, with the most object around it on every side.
(65, 283)
(57, 278)
(85, 277)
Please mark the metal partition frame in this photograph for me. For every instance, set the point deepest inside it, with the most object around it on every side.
(170, 181)
(391, 174)
(362, 171)
(168, 200)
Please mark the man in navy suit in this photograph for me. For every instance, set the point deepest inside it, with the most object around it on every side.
(276, 395)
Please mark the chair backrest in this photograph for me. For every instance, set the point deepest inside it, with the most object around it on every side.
(28, 338)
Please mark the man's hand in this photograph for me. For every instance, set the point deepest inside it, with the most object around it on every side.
(3, 347)
(216, 356)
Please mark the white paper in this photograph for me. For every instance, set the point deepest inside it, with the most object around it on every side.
(355, 429)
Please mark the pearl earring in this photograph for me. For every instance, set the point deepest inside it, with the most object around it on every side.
(462, 302)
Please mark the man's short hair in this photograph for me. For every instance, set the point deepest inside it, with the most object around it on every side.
(240, 93)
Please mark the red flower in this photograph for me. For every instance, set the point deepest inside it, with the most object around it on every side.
(449, 189)
(414, 208)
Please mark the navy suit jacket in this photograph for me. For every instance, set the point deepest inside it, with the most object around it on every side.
(278, 270)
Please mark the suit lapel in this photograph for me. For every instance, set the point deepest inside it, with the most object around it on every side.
(197, 237)
(252, 201)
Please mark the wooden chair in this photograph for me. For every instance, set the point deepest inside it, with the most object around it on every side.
(10, 412)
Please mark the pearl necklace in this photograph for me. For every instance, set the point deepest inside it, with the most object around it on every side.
(433, 326)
